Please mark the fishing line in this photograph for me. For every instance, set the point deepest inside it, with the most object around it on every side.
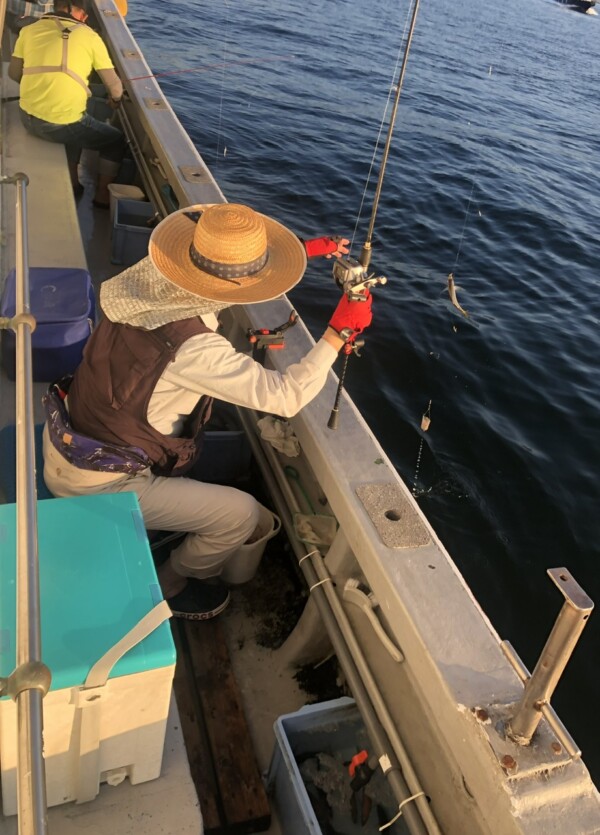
(392, 89)
(425, 424)
(479, 154)
(217, 66)
(464, 226)
(426, 418)
(220, 119)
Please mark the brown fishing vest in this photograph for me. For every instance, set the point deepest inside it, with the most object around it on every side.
(111, 389)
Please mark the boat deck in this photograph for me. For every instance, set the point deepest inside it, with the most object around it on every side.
(227, 711)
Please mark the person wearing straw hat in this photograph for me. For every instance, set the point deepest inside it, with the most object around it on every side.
(153, 365)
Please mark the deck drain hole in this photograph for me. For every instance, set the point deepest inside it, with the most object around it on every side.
(387, 504)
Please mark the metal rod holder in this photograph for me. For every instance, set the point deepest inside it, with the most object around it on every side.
(558, 649)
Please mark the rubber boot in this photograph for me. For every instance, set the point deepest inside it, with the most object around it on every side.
(107, 171)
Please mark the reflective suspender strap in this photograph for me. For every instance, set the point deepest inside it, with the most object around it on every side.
(64, 65)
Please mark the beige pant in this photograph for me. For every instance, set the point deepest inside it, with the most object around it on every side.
(218, 519)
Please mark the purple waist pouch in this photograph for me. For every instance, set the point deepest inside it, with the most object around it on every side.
(82, 451)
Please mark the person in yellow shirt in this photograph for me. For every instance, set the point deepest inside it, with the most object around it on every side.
(53, 60)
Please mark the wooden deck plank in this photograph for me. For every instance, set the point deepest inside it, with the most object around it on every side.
(243, 795)
(194, 734)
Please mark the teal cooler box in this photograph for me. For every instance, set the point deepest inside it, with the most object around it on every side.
(105, 639)
(62, 301)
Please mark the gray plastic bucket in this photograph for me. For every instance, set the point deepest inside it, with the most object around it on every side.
(243, 564)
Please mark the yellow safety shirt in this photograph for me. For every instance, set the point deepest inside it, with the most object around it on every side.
(55, 96)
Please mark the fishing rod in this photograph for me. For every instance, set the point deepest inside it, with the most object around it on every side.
(351, 275)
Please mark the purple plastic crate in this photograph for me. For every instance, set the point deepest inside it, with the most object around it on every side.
(62, 301)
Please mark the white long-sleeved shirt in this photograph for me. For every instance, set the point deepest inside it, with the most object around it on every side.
(208, 364)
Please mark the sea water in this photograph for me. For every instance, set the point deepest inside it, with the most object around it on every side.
(493, 176)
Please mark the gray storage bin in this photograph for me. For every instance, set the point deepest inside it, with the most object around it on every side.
(334, 731)
(131, 232)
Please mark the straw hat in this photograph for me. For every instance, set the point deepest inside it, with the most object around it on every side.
(228, 253)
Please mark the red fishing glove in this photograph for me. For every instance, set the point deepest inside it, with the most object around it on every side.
(325, 246)
(351, 317)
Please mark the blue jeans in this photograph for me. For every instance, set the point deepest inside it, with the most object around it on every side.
(87, 133)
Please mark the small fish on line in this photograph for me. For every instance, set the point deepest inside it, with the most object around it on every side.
(452, 294)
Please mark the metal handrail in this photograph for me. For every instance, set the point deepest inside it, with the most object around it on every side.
(30, 681)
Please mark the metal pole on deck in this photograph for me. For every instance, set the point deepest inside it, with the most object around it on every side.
(31, 790)
(30, 680)
(560, 644)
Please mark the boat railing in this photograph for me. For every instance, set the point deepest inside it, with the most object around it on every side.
(30, 680)
(3, 4)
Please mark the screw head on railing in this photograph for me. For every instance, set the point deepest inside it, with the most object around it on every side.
(508, 763)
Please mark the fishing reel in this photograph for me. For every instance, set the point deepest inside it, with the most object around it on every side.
(352, 278)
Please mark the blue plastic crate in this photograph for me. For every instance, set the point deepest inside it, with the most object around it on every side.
(127, 173)
(131, 231)
(226, 452)
(63, 303)
(97, 580)
(225, 458)
(8, 467)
